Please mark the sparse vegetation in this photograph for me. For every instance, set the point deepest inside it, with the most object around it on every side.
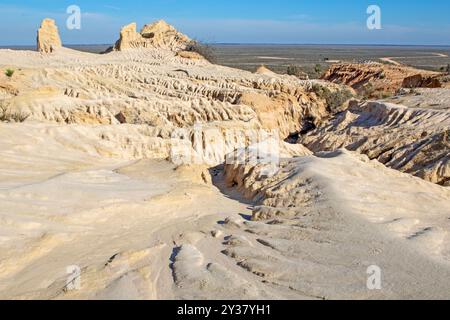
(207, 51)
(368, 91)
(337, 98)
(7, 116)
(318, 68)
(244, 57)
(294, 70)
(3, 111)
(384, 95)
(314, 71)
(9, 73)
(445, 68)
(334, 99)
(320, 90)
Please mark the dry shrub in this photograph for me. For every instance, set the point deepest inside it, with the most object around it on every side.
(206, 50)
(334, 99)
(7, 116)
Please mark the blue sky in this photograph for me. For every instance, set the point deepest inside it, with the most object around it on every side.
(237, 21)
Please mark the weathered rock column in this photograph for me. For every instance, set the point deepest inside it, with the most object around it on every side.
(48, 39)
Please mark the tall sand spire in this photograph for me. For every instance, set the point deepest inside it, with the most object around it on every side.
(48, 39)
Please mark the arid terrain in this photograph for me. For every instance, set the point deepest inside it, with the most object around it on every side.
(160, 175)
(278, 57)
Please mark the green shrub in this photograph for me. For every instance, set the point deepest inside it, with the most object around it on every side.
(318, 68)
(314, 71)
(320, 90)
(368, 91)
(334, 99)
(293, 70)
(384, 95)
(297, 71)
(337, 98)
(9, 73)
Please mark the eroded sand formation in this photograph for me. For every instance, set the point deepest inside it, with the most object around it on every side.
(155, 35)
(48, 39)
(93, 178)
(412, 140)
(381, 79)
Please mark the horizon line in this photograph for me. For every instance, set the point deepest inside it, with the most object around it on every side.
(260, 43)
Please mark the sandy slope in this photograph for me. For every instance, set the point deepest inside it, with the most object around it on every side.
(424, 98)
(143, 230)
(326, 219)
(84, 210)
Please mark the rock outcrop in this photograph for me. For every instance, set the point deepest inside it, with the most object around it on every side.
(415, 141)
(162, 89)
(377, 79)
(48, 39)
(420, 81)
(156, 35)
(190, 55)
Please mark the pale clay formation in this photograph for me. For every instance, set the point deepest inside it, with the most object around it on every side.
(92, 179)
